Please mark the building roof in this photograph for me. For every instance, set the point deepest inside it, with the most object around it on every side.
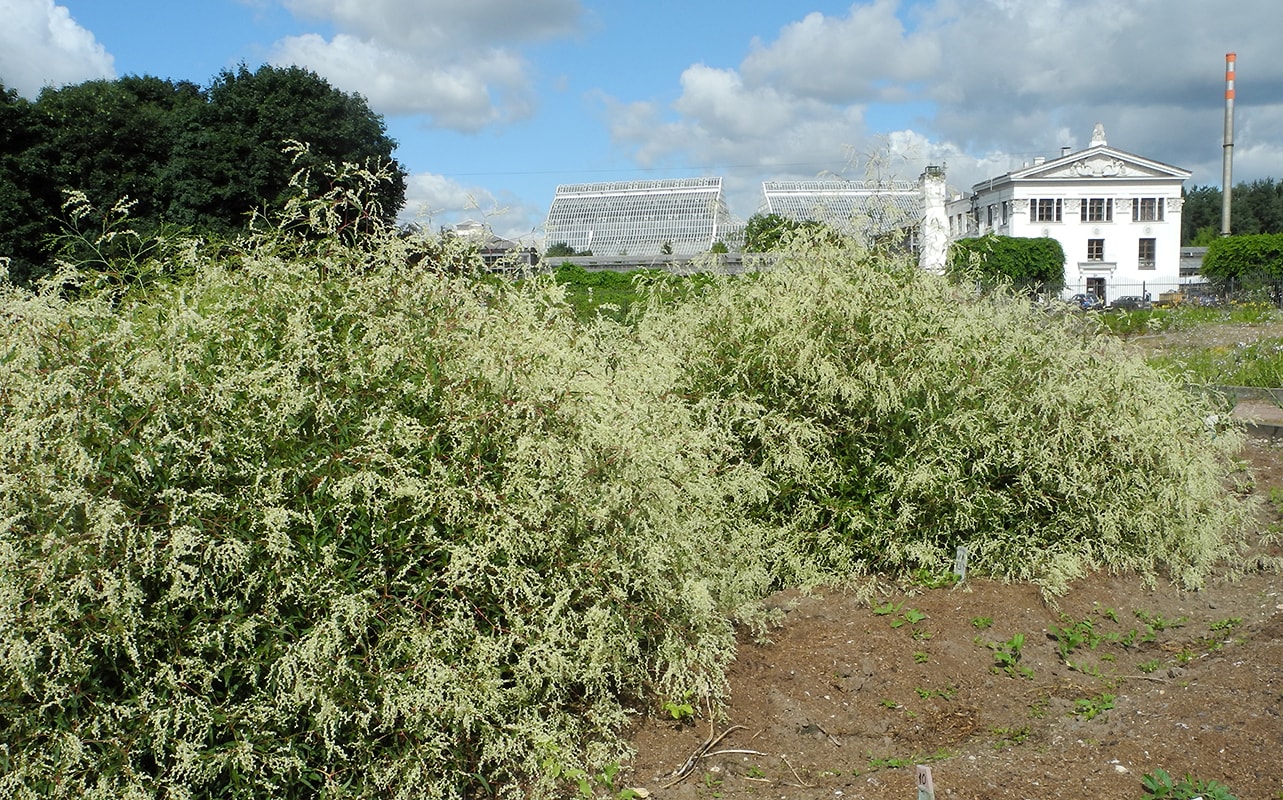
(845, 205)
(1097, 161)
(684, 215)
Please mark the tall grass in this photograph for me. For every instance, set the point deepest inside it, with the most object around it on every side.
(306, 520)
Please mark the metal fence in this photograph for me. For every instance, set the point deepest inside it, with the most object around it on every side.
(1198, 293)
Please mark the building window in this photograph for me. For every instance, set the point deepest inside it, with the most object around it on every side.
(1006, 211)
(1098, 209)
(1147, 209)
(1095, 249)
(1045, 210)
(990, 221)
(1146, 253)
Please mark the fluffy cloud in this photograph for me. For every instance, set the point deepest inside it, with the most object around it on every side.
(450, 60)
(41, 45)
(864, 56)
(435, 201)
(980, 85)
(489, 87)
(454, 25)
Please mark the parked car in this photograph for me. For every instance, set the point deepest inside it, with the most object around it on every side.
(1130, 303)
(1087, 302)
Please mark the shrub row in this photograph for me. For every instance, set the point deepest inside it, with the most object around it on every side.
(307, 521)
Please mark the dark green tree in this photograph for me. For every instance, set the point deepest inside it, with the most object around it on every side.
(1257, 207)
(764, 232)
(562, 250)
(115, 139)
(1201, 216)
(1245, 257)
(1027, 264)
(231, 157)
(28, 200)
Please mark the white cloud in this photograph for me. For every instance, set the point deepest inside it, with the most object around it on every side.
(435, 202)
(445, 59)
(488, 88)
(451, 24)
(867, 55)
(979, 85)
(450, 60)
(41, 45)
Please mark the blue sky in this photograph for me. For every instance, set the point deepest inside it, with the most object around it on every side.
(495, 102)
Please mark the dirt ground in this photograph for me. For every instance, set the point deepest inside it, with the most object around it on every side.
(1115, 680)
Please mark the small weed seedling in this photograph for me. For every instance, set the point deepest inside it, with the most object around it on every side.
(1009, 736)
(1158, 623)
(894, 762)
(1226, 624)
(1215, 639)
(931, 580)
(1091, 707)
(1038, 708)
(921, 657)
(1071, 637)
(1149, 666)
(1006, 656)
(588, 783)
(680, 712)
(888, 608)
(1159, 785)
(980, 623)
(912, 617)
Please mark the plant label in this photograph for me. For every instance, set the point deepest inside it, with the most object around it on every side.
(926, 789)
(960, 563)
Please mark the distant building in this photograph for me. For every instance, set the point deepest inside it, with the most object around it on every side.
(682, 216)
(495, 251)
(870, 208)
(1117, 215)
(848, 206)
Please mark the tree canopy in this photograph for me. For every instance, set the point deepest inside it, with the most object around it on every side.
(204, 158)
(27, 201)
(1257, 207)
(1032, 264)
(766, 232)
(1256, 255)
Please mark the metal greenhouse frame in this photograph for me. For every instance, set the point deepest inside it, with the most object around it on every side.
(685, 216)
(849, 206)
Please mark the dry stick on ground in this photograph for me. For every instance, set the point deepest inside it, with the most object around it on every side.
(804, 784)
(712, 741)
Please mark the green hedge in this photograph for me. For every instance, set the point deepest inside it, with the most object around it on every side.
(1257, 255)
(1037, 264)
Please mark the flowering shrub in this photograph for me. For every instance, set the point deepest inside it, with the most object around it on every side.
(898, 416)
(308, 520)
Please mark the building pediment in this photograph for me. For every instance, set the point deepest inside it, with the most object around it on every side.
(1100, 162)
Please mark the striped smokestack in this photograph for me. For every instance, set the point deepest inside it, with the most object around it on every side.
(1227, 159)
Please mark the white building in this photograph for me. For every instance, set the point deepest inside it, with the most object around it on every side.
(1117, 215)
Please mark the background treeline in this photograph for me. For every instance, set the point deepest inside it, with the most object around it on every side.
(1257, 207)
(201, 158)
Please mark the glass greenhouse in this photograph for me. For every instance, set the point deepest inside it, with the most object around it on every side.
(681, 216)
(850, 206)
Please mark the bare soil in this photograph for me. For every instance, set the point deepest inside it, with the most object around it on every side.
(850, 694)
